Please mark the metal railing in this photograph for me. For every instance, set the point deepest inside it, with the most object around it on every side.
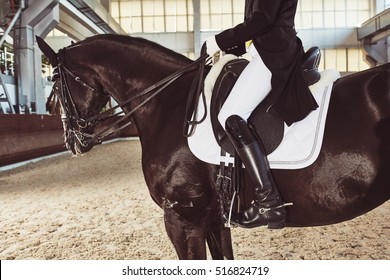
(14, 13)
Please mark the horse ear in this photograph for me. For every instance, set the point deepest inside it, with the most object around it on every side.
(47, 50)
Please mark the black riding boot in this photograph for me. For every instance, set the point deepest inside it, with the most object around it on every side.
(267, 208)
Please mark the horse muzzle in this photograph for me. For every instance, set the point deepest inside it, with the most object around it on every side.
(78, 139)
(79, 142)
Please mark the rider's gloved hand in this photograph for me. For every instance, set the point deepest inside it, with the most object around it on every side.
(211, 46)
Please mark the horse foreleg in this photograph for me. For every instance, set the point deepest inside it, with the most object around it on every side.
(188, 237)
(220, 242)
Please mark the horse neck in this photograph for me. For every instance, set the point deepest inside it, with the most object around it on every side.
(126, 65)
(131, 72)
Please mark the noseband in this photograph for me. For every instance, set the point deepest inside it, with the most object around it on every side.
(74, 124)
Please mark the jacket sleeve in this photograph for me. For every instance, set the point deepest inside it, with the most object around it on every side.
(262, 18)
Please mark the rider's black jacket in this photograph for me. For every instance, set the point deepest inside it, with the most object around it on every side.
(270, 25)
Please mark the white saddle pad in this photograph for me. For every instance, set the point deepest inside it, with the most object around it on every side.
(301, 142)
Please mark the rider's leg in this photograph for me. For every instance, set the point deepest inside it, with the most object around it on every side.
(250, 89)
(267, 208)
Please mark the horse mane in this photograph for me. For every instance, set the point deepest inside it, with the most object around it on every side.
(138, 42)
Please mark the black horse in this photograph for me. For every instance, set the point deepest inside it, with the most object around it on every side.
(350, 177)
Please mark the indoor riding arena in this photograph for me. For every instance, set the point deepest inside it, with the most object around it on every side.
(62, 200)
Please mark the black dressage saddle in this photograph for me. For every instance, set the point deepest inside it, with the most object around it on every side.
(267, 124)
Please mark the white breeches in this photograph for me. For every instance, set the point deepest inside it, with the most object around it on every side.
(253, 85)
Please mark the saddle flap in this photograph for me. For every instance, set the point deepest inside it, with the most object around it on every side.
(268, 125)
(223, 85)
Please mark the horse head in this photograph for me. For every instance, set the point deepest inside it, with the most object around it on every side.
(80, 93)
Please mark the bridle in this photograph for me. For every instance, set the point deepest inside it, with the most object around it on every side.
(75, 125)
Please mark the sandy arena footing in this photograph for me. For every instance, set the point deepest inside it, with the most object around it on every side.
(97, 206)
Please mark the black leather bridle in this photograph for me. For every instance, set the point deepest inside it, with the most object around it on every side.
(75, 126)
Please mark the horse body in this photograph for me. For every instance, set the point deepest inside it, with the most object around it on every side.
(350, 177)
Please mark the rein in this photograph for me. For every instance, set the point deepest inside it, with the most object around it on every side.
(71, 113)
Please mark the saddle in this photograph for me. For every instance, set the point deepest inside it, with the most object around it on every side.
(266, 123)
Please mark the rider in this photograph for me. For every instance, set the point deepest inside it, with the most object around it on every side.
(276, 64)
